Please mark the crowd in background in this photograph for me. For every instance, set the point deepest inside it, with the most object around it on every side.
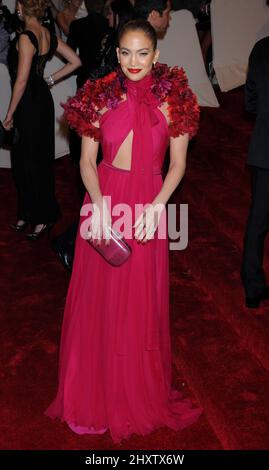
(90, 28)
(61, 16)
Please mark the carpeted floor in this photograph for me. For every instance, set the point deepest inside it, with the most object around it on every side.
(220, 350)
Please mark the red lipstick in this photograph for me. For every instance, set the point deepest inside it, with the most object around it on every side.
(134, 70)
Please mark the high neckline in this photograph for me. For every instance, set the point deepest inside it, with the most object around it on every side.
(141, 90)
(143, 83)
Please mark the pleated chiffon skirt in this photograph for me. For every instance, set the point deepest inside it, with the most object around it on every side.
(115, 355)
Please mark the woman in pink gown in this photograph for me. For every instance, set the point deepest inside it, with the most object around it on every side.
(115, 357)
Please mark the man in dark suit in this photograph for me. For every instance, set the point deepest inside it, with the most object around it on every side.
(257, 101)
(85, 35)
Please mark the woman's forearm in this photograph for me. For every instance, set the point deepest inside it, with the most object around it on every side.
(171, 181)
(17, 93)
(64, 71)
(72, 61)
(90, 179)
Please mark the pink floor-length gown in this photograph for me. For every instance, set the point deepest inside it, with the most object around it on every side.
(115, 357)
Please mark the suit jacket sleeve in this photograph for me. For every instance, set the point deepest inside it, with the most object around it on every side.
(72, 37)
(251, 85)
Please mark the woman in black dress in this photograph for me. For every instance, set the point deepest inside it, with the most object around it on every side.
(31, 111)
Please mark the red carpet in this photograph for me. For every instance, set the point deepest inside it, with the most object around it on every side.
(220, 349)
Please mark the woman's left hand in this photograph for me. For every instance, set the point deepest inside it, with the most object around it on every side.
(8, 122)
(147, 223)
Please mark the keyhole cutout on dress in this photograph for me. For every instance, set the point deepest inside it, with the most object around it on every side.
(123, 158)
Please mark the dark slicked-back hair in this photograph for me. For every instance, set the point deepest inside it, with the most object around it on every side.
(139, 25)
(143, 8)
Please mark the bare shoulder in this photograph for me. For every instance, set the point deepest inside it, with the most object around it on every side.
(164, 110)
(24, 40)
(25, 44)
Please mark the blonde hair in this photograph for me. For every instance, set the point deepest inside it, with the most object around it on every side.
(34, 7)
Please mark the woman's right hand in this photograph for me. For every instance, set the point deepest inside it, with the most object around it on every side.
(100, 224)
(8, 122)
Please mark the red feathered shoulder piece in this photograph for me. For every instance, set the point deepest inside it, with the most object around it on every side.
(169, 85)
(83, 110)
(183, 109)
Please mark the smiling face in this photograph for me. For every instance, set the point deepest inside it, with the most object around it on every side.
(136, 54)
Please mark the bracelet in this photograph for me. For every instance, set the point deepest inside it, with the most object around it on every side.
(49, 80)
